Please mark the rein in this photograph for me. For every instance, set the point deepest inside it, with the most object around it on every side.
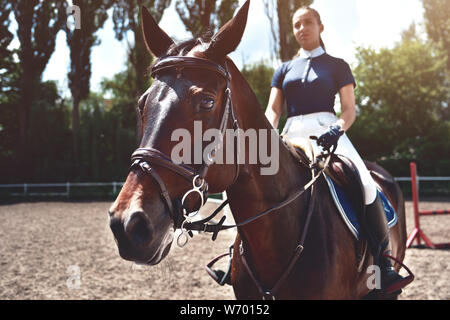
(201, 225)
(271, 294)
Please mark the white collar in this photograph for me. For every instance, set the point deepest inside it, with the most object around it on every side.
(313, 53)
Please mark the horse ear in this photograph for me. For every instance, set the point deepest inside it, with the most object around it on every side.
(229, 36)
(156, 40)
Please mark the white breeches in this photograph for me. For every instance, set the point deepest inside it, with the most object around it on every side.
(316, 124)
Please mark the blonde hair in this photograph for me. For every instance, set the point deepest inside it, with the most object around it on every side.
(319, 21)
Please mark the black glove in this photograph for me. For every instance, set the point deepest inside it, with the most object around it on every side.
(331, 137)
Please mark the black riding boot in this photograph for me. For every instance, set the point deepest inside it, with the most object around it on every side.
(377, 232)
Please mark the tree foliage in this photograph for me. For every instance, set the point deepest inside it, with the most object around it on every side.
(38, 23)
(280, 14)
(80, 42)
(437, 23)
(5, 40)
(49, 144)
(106, 143)
(126, 18)
(402, 103)
(9, 84)
(403, 97)
(259, 77)
(200, 16)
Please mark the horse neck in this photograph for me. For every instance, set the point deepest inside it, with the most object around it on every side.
(272, 237)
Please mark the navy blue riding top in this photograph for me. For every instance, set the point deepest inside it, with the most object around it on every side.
(324, 78)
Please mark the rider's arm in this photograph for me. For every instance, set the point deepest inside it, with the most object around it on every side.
(275, 106)
(348, 108)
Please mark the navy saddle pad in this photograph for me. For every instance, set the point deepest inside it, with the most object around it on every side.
(347, 212)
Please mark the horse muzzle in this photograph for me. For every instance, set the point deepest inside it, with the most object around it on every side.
(138, 240)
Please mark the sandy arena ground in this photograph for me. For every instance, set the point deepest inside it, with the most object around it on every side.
(45, 246)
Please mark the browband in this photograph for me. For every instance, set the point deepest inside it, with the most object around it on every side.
(189, 62)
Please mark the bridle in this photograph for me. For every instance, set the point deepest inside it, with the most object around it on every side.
(146, 158)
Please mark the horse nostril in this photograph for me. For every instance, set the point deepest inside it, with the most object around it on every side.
(116, 226)
(138, 229)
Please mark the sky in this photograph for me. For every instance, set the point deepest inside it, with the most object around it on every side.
(348, 24)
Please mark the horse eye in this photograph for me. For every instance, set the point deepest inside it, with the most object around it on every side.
(207, 103)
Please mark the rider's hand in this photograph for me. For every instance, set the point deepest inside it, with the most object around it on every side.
(331, 137)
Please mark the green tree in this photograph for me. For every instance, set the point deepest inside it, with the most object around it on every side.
(127, 19)
(106, 139)
(49, 145)
(38, 23)
(95, 154)
(410, 34)
(5, 40)
(401, 97)
(199, 16)
(280, 14)
(80, 42)
(259, 76)
(437, 23)
(122, 114)
(9, 76)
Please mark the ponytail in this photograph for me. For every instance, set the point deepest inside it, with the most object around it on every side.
(322, 44)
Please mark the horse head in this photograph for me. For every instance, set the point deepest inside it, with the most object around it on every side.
(191, 86)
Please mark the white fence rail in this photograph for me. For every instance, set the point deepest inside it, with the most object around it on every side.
(26, 188)
(66, 186)
(424, 179)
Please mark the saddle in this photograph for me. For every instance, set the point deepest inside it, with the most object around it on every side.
(340, 169)
(344, 174)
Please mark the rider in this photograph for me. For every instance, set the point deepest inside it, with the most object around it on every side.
(308, 84)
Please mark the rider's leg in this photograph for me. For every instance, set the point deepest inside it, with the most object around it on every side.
(346, 148)
(375, 223)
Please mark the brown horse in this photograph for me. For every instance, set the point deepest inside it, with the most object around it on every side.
(193, 81)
